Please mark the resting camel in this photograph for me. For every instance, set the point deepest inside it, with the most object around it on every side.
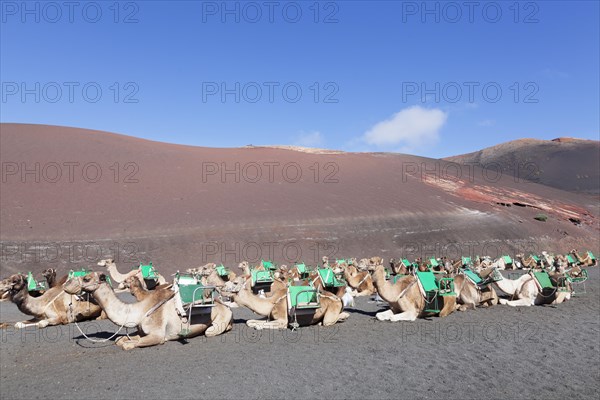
(314, 279)
(469, 295)
(398, 268)
(361, 282)
(50, 275)
(275, 307)
(527, 292)
(155, 315)
(54, 307)
(207, 269)
(119, 278)
(586, 260)
(528, 262)
(404, 297)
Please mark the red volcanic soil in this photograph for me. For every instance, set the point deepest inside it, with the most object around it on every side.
(563, 163)
(172, 205)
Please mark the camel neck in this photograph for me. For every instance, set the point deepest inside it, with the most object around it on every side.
(383, 287)
(255, 303)
(33, 305)
(118, 312)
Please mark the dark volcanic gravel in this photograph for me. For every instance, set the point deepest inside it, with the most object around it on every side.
(510, 353)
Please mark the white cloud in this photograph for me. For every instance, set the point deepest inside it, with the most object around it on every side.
(408, 129)
(310, 139)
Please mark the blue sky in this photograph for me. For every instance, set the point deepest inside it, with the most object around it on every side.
(433, 79)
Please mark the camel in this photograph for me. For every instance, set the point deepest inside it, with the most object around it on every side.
(207, 269)
(155, 315)
(50, 275)
(361, 282)
(275, 307)
(470, 295)
(315, 279)
(398, 267)
(527, 292)
(404, 297)
(528, 262)
(54, 307)
(586, 260)
(119, 278)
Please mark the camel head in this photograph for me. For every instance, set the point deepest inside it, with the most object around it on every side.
(244, 266)
(106, 262)
(325, 260)
(235, 285)
(352, 261)
(133, 282)
(375, 267)
(13, 284)
(49, 272)
(376, 260)
(87, 283)
(338, 269)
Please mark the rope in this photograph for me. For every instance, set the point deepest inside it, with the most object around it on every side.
(363, 280)
(402, 293)
(52, 302)
(102, 340)
(147, 314)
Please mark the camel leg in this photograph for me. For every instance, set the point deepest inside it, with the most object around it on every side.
(122, 339)
(222, 323)
(264, 324)
(332, 317)
(144, 341)
(517, 303)
(405, 316)
(449, 306)
(24, 324)
(384, 315)
(35, 322)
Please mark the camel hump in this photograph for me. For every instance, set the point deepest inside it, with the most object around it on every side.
(164, 294)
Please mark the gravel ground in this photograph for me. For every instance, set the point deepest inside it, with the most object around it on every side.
(537, 352)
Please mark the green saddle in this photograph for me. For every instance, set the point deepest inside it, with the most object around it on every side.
(507, 260)
(302, 269)
(193, 292)
(268, 265)
(75, 274)
(33, 285)
(429, 283)
(543, 279)
(148, 271)
(473, 276)
(302, 297)
(221, 270)
(259, 276)
(329, 278)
